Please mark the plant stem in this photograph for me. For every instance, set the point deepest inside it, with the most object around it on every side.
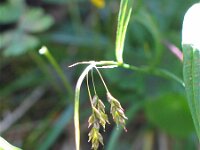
(92, 75)
(102, 79)
(144, 69)
(155, 71)
(45, 51)
(88, 88)
(43, 67)
(76, 105)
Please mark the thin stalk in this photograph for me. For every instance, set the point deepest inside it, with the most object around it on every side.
(44, 51)
(76, 105)
(144, 69)
(102, 79)
(43, 67)
(88, 88)
(93, 83)
(94, 62)
(156, 71)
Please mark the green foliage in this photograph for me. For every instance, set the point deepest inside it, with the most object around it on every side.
(56, 130)
(17, 43)
(170, 113)
(33, 20)
(82, 32)
(191, 72)
(191, 64)
(9, 13)
(129, 83)
(145, 19)
(123, 20)
(61, 1)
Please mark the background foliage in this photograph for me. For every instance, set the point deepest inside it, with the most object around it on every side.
(75, 31)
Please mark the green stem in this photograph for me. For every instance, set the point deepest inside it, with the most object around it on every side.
(45, 51)
(144, 69)
(76, 105)
(88, 88)
(154, 71)
(43, 67)
(102, 79)
(92, 75)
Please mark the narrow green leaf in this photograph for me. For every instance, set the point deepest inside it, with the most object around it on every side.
(191, 73)
(57, 129)
(123, 20)
(191, 62)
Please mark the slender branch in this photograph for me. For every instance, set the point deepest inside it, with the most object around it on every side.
(107, 67)
(88, 88)
(101, 78)
(93, 83)
(76, 105)
(81, 63)
(143, 69)
(156, 71)
(107, 63)
(44, 51)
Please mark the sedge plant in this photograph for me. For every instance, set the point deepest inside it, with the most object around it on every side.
(98, 117)
(191, 72)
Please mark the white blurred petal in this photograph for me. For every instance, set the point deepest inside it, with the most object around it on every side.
(191, 27)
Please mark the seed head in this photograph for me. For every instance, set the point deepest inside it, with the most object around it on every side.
(117, 111)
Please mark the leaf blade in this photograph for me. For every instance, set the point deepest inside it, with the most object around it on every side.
(191, 76)
(123, 20)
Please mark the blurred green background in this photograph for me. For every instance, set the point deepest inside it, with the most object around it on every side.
(36, 108)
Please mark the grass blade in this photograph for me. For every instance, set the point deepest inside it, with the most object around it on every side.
(191, 61)
(191, 73)
(45, 51)
(123, 20)
(60, 124)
